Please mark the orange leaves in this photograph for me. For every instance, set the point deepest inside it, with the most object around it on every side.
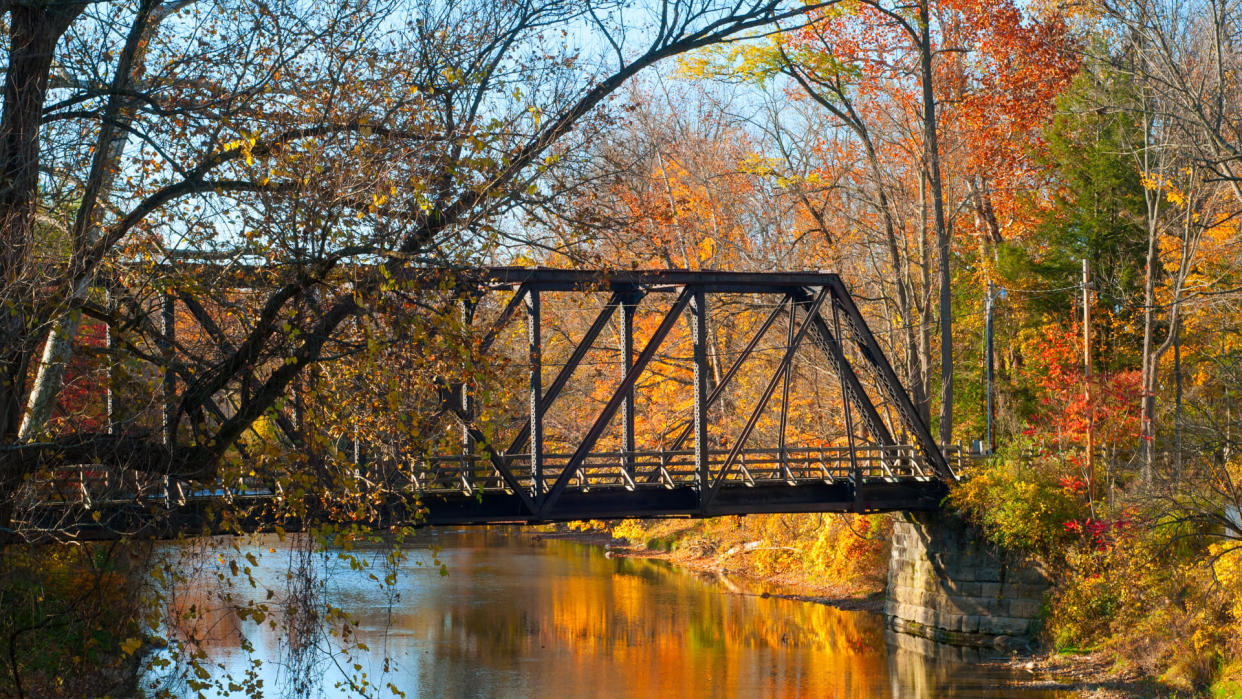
(997, 71)
(686, 208)
(1019, 66)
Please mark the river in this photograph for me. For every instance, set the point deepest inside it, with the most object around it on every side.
(513, 616)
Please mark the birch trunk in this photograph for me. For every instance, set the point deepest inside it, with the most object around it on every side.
(113, 135)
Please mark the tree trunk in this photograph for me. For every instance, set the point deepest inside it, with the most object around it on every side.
(1147, 429)
(924, 299)
(105, 166)
(931, 147)
(33, 34)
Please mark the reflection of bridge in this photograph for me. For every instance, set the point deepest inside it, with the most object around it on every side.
(703, 468)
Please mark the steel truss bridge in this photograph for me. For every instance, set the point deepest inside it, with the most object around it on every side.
(526, 482)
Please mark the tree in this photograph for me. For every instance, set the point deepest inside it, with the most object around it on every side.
(320, 149)
(996, 73)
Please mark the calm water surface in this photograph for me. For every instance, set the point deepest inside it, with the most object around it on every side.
(517, 617)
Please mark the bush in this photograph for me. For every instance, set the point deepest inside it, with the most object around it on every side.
(1026, 507)
(1154, 603)
(852, 549)
(68, 620)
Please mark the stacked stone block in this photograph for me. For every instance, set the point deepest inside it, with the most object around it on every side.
(945, 583)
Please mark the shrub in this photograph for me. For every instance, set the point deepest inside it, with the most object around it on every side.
(1153, 602)
(1022, 507)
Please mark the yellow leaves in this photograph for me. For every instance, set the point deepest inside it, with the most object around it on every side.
(131, 645)
(1160, 183)
(1228, 567)
(522, 260)
(707, 249)
(758, 164)
(245, 145)
(748, 62)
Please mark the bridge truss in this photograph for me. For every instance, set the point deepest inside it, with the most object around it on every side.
(604, 472)
(692, 475)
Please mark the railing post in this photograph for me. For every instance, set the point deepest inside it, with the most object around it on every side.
(535, 353)
(629, 302)
(698, 316)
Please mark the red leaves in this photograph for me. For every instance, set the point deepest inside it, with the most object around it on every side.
(1102, 534)
(1073, 484)
(1058, 375)
(81, 406)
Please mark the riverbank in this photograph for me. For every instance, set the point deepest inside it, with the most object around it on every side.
(735, 579)
(1088, 676)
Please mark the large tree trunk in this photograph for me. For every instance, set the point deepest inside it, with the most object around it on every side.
(924, 298)
(931, 147)
(33, 33)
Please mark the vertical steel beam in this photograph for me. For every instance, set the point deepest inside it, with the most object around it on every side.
(629, 302)
(789, 340)
(698, 329)
(849, 425)
(168, 339)
(466, 405)
(535, 354)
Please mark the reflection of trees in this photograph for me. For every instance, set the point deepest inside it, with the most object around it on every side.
(224, 607)
(667, 630)
(555, 618)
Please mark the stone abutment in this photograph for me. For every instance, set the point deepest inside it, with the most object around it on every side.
(947, 584)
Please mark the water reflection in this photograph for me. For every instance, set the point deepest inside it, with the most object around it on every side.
(516, 617)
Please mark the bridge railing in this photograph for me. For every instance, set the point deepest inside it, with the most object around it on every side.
(88, 485)
(673, 468)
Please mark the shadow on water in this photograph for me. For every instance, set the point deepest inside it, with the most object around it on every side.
(516, 617)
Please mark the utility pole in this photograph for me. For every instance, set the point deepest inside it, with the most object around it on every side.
(1086, 359)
